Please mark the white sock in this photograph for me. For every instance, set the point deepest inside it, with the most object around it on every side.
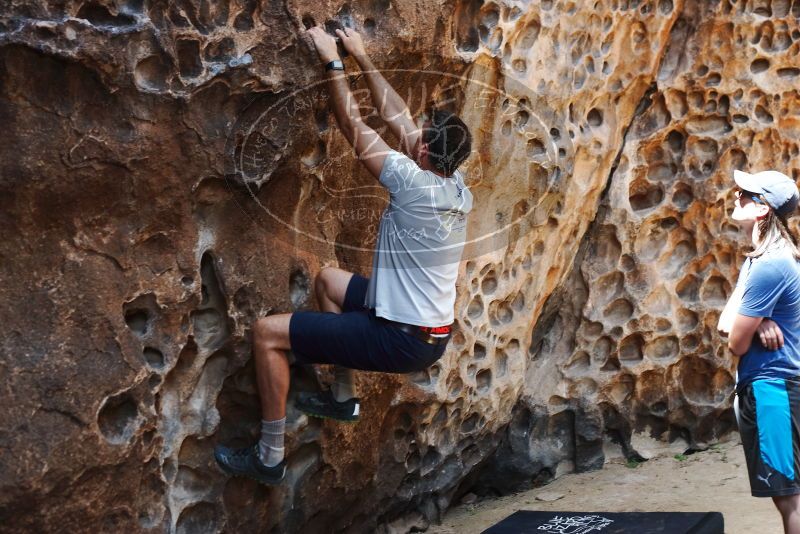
(270, 447)
(343, 387)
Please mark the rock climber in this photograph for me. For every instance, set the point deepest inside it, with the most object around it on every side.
(399, 319)
(762, 320)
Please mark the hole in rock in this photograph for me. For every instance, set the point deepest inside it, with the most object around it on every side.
(490, 16)
(421, 378)
(680, 256)
(151, 73)
(714, 291)
(690, 342)
(475, 308)
(688, 288)
(644, 195)
(455, 387)
(431, 459)
(470, 423)
(627, 263)
(759, 65)
(412, 461)
(100, 16)
(220, 50)
(118, 418)
(676, 141)
(479, 351)
(608, 287)
(484, 380)
(612, 364)
(369, 26)
(763, 115)
(381, 5)
(153, 357)
(701, 382)
(243, 22)
(665, 7)
(595, 117)
(466, 15)
(527, 38)
(602, 349)
(299, 288)
(210, 320)
(189, 63)
(663, 324)
(489, 283)
(618, 311)
(521, 118)
(500, 363)
(683, 196)
(630, 348)
(662, 348)
(789, 72)
(137, 321)
(139, 313)
(501, 313)
(579, 361)
(199, 517)
(153, 381)
(606, 248)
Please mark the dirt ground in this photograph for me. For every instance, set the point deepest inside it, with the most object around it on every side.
(711, 481)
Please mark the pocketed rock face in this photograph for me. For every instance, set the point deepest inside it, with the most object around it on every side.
(634, 342)
(170, 172)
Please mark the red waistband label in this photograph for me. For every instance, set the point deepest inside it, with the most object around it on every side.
(436, 329)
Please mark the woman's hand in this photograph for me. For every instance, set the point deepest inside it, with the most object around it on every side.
(770, 334)
(352, 42)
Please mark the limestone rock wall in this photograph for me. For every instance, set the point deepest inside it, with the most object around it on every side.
(631, 341)
(170, 171)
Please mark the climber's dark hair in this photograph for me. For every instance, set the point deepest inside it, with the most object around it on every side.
(448, 139)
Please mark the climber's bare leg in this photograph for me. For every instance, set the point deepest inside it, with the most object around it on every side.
(330, 286)
(270, 343)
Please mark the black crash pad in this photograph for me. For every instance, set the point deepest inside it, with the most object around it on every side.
(524, 522)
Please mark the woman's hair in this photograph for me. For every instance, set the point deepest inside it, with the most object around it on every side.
(773, 231)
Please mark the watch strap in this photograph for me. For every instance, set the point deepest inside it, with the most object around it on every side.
(336, 64)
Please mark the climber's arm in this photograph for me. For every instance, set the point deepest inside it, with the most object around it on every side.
(370, 148)
(393, 109)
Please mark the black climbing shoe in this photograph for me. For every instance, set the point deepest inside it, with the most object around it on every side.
(246, 463)
(323, 405)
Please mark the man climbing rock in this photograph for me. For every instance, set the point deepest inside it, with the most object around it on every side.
(397, 321)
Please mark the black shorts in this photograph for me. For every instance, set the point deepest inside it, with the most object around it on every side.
(357, 339)
(769, 423)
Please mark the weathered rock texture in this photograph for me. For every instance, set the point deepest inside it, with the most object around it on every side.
(169, 172)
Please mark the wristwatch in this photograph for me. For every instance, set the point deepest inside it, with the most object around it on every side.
(336, 64)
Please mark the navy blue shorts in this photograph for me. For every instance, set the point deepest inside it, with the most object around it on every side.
(357, 339)
(769, 424)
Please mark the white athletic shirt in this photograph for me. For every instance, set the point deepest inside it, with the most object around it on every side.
(420, 242)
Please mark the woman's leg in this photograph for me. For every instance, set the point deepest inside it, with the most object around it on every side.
(789, 507)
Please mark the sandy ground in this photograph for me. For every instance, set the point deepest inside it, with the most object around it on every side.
(711, 481)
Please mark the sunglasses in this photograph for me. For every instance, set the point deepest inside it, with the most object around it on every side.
(747, 194)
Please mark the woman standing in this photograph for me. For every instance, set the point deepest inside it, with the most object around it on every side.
(766, 304)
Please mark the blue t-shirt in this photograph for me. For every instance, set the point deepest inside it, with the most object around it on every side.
(772, 290)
